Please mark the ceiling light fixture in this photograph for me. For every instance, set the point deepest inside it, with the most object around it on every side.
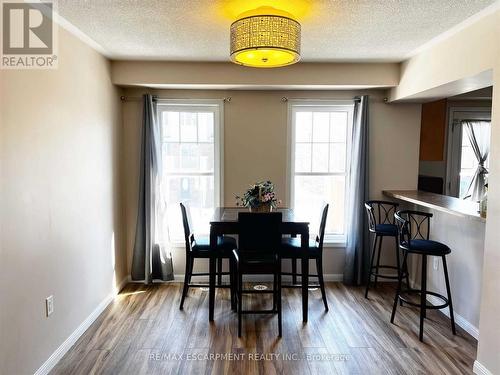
(265, 38)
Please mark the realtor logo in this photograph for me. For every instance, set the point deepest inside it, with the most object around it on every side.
(28, 36)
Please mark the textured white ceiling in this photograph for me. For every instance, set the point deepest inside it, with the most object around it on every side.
(335, 30)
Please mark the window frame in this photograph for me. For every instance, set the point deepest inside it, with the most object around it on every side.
(331, 240)
(454, 143)
(201, 105)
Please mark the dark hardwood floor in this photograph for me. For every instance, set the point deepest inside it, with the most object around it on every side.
(144, 332)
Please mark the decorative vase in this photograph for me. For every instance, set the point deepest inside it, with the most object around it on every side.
(262, 208)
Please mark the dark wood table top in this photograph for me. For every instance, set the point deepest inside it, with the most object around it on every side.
(230, 214)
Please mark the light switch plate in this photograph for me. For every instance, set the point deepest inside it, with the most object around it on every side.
(49, 305)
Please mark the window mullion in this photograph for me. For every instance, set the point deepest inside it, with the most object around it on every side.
(329, 137)
(312, 140)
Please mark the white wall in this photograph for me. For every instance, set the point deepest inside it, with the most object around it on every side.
(465, 237)
(60, 212)
(394, 134)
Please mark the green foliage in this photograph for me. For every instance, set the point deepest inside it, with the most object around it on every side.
(261, 193)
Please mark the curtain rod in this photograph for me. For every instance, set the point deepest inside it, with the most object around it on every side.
(158, 98)
(228, 99)
(286, 99)
(474, 119)
(457, 122)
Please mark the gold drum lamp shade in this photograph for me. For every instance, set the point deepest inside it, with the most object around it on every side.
(265, 41)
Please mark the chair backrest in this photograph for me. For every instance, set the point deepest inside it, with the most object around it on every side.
(322, 226)
(188, 235)
(412, 225)
(259, 233)
(380, 212)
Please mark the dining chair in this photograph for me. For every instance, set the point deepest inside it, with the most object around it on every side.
(198, 247)
(291, 249)
(258, 253)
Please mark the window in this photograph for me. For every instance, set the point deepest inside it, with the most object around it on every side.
(320, 145)
(191, 162)
(468, 161)
(462, 162)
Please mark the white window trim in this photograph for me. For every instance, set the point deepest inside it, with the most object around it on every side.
(198, 105)
(331, 241)
(453, 156)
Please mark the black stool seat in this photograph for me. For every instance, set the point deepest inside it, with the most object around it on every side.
(201, 245)
(290, 248)
(427, 247)
(386, 230)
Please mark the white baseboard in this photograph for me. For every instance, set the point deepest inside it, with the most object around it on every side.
(479, 369)
(254, 278)
(459, 319)
(49, 364)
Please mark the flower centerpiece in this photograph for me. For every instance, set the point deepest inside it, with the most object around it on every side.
(260, 197)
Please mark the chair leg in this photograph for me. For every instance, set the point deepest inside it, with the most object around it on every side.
(398, 291)
(275, 288)
(423, 300)
(319, 270)
(191, 265)
(399, 265)
(240, 304)
(448, 292)
(219, 271)
(294, 271)
(378, 259)
(407, 273)
(280, 318)
(371, 266)
(187, 278)
(232, 284)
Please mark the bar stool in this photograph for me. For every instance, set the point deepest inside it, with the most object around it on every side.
(381, 223)
(414, 231)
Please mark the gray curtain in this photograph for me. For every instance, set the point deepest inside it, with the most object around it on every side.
(357, 249)
(149, 258)
(478, 133)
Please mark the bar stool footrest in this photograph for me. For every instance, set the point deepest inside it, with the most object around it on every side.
(427, 306)
(385, 276)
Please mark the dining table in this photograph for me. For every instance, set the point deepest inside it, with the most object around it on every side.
(225, 222)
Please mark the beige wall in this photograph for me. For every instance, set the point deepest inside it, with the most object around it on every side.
(252, 115)
(59, 201)
(473, 50)
(215, 75)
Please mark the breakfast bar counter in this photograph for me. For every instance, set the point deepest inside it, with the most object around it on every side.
(439, 202)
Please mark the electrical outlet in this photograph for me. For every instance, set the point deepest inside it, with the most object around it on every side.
(49, 305)
(436, 264)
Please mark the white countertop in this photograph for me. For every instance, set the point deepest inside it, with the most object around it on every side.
(444, 203)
